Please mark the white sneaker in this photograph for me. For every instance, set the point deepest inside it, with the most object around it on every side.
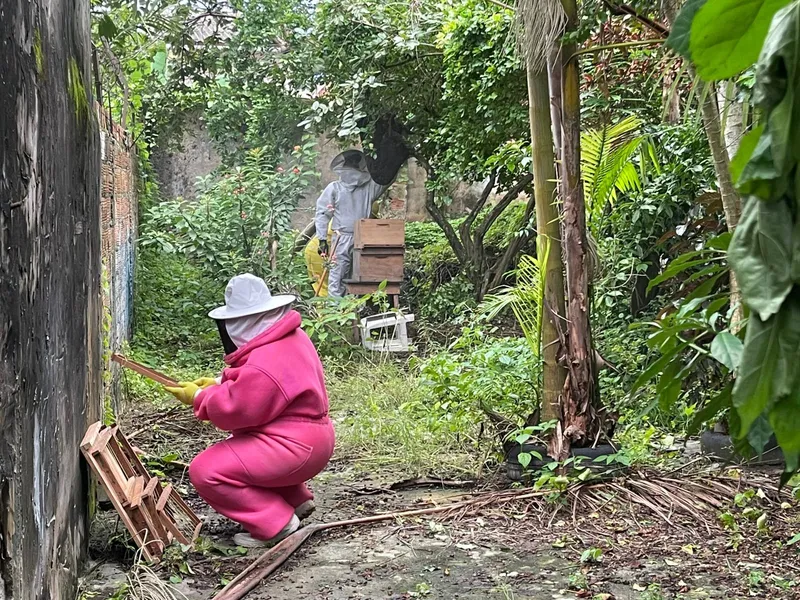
(245, 540)
(305, 509)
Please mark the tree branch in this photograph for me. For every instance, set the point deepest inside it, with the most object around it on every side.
(498, 209)
(500, 267)
(625, 9)
(438, 215)
(116, 68)
(466, 226)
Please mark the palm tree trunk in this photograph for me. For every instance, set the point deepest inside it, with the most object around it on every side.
(548, 233)
(578, 423)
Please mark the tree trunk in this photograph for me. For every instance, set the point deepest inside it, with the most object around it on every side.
(50, 294)
(554, 76)
(711, 123)
(733, 116)
(578, 423)
(548, 233)
(731, 203)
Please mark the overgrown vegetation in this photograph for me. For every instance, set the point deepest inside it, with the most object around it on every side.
(494, 344)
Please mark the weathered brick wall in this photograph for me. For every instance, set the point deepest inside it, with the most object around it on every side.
(118, 225)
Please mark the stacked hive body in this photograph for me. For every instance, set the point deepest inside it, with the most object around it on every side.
(154, 515)
(378, 255)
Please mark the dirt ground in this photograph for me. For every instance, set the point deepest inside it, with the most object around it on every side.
(538, 548)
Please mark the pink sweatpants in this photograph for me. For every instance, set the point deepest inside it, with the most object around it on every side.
(258, 479)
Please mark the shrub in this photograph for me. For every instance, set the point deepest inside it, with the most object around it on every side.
(477, 374)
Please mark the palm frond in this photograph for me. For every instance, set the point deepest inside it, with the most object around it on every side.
(525, 299)
(607, 167)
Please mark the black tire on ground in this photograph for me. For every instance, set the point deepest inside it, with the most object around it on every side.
(719, 446)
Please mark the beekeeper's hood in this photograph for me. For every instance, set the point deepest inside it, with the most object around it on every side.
(250, 309)
(351, 167)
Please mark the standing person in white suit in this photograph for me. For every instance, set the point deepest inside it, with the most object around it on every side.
(349, 199)
(344, 202)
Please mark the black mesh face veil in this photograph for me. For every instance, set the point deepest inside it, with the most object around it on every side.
(227, 343)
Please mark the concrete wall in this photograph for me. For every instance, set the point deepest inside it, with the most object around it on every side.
(50, 339)
(178, 168)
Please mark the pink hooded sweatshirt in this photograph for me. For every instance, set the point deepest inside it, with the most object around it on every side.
(275, 376)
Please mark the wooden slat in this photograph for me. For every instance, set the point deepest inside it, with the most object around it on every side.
(117, 501)
(165, 494)
(91, 435)
(143, 370)
(184, 508)
(101, 441)
(137, 490)
(122, 459)
(150, 489)
(159, 529)
(172, 526)
(131, 455)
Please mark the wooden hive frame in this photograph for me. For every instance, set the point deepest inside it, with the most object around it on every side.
(154, 516)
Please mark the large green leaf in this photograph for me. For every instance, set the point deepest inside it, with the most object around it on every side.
(727, 35)
(779, 63)
(785, 420)
(659, 366)
(160, 62)
(768, 367)
(675, 268)
(777, 92)
(759, 434)
(761, 255)
(727, 349)
(745, 152)
(107, 28)
(679, 35)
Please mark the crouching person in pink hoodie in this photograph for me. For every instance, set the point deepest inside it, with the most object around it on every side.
(272, 399)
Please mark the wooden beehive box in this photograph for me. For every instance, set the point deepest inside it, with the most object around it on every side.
(377, 266)
(380, 233)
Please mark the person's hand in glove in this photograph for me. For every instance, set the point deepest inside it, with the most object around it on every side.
(205, 382)
(186, 392)
(323, 248)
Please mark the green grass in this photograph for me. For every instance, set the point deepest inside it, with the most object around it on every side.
(385, 419)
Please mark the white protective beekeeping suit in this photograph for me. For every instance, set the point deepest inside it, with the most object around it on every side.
(345, 201)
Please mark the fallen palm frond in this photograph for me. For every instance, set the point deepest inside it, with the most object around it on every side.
(700, 496)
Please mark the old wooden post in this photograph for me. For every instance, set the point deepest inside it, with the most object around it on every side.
(50, 339)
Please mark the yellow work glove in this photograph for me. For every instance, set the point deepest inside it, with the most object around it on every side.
(185, 393)
(205, 382)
